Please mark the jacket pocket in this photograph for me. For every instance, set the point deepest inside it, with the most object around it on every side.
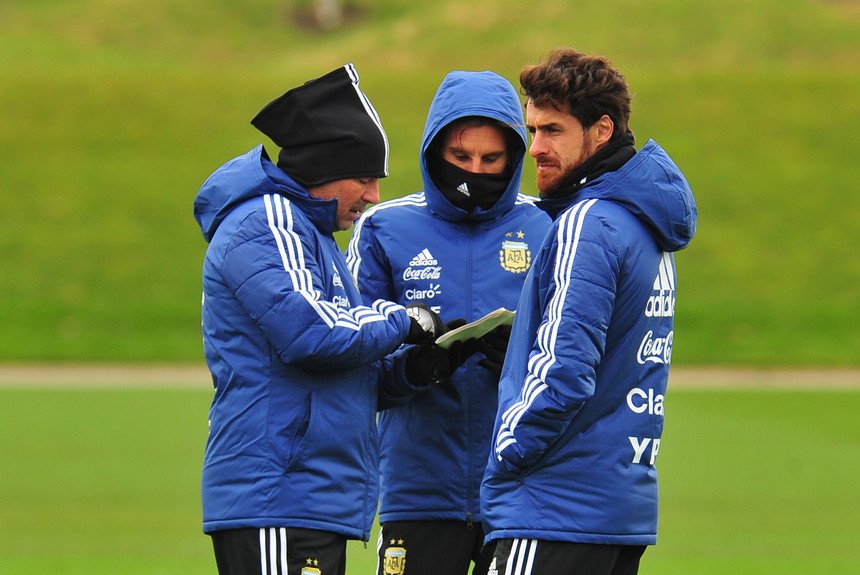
(505, 470)
(292, 437)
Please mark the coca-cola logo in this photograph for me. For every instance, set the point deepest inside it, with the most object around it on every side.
(655, 349)
(428, 273)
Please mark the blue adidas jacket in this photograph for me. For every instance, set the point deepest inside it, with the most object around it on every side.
(293, 355)
(421, 247)
(582, 391)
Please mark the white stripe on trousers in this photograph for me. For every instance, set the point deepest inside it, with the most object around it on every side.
(523, 554)
(273, 551)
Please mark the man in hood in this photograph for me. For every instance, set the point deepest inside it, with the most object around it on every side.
(571, 483)
(298, 363)
(463, 244)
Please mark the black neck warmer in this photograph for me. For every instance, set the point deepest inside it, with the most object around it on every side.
(466, 190)
(612, 156)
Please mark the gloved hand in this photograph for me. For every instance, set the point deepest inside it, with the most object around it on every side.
(426, 325)
(460, 351)
(428, 365)
(494, 345)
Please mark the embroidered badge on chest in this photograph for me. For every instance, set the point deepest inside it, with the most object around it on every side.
(515, 255)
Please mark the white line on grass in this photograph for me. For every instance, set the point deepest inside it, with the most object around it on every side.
(90, 376)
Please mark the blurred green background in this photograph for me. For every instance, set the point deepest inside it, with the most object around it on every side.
(112, 113)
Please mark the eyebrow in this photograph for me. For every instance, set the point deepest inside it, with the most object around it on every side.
(459, 150)
(544, 126)
(494, 154)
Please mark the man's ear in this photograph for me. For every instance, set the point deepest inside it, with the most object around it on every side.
(602, 130)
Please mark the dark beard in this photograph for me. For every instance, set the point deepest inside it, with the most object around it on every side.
(553, 190)
(607, 159)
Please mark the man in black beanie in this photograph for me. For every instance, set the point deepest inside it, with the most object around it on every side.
(327, 130)
(298, 363)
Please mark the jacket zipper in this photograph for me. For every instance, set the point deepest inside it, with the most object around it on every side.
(469, 388)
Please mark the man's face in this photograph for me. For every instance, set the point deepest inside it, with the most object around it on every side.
(352, 197)
(476, 149)
(559, 145)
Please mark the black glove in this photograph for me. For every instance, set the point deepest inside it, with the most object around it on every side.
(426, 325)
(494, 345)
(428, 364)
(460, 351)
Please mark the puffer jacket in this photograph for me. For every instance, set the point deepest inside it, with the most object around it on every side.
(581, 398)
(464, 265)
(294, 357)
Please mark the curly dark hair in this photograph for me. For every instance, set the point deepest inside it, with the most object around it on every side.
(588, 85)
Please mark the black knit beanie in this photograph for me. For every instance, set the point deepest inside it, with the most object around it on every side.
(327, 130)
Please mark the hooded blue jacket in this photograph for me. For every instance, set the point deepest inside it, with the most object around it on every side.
(293, 355)
(581, 394)
(421, 247)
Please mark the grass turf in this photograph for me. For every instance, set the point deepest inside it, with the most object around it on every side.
(107, 481)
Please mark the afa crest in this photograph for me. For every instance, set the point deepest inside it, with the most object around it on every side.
(515, 257)
(312, 567)
(394, 562)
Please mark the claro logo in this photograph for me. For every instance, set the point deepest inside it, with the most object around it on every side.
(429, 293)
(640, 401)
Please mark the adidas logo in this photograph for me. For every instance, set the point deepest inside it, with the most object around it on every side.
(424, 258)
(464, 189)
(663, 303)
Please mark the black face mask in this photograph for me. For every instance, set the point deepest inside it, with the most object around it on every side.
(467, 190)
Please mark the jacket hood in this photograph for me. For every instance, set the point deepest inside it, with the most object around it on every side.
(249, 176)
(463, 94)
(651, 186)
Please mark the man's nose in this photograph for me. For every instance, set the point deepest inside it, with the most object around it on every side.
(477, 167)
(371, 192)
(537, 147)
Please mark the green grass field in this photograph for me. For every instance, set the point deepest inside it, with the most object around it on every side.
(107, 481)
(113, 114)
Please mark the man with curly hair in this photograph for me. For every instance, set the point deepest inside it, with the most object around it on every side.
(571, 484)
